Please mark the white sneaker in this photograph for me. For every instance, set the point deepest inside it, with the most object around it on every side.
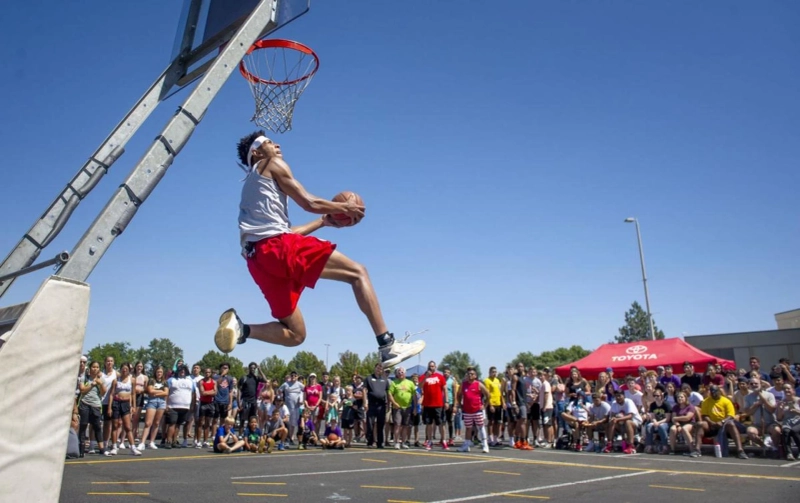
(112, 452)
(397, 446)
(152, 445)
(400, 351)
(229, 332)
(464, 447)
(140, 446)
(135, 451)
(485, 447)
(404, 445)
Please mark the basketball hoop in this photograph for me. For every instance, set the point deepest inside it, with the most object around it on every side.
(278, 72)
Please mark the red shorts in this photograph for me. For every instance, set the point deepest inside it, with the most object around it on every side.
(284, 265)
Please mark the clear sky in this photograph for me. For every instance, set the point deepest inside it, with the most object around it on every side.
(498, 147)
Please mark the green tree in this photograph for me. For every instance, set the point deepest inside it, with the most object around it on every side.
(121, 352)
(552, 359)
(637, 326)
(305, 362)
(139, 355)
(458, 363)
(163, 352)
(274, 368)
(213, 359)
(349, 364)
(367, 366)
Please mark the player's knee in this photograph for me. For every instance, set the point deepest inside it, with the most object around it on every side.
(296, 337)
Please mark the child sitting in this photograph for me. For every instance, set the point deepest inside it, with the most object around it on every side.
(226, 440)
(332, 439)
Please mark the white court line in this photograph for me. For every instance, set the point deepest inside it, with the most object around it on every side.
(664, 459)
(788, 465)
(542, 488)
(392, 468)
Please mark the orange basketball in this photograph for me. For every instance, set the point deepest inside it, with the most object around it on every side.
(333, 437)
(341, 218)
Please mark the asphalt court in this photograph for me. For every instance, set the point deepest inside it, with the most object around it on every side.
(371, 475)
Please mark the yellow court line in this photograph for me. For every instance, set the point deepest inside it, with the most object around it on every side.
(526, 496)
(679, 488)
(501, 473)
(263, 494)
(602, 467)
(118, 494)
(389, 487)
(260, 483)
(142, 459)
(120, 482)
(374, 460)
(402, 501)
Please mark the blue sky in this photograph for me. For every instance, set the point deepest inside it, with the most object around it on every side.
(498, 148)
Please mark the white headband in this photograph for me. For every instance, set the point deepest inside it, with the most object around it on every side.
(256, 143)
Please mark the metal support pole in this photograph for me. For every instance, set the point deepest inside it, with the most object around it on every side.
(327, 347)
(644, 277)
(144, 177)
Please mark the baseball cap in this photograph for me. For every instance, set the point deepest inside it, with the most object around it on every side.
(609, 369)
(642, 368)
(312, 375)
(660, 367)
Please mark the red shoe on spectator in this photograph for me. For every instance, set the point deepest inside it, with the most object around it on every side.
(608, 448)
(517, 444)
(525, 447)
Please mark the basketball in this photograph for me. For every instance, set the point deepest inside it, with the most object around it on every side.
(341, 218)
(333, 437)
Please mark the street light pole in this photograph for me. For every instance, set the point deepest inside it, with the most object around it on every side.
(327, 346)
(644, 276)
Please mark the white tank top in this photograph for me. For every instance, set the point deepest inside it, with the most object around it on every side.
(263, 209)
(123, 386)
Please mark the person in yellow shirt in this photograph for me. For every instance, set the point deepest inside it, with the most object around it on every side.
(496, 406)
(717, 413)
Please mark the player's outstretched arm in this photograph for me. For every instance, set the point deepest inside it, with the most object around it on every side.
(279, 171)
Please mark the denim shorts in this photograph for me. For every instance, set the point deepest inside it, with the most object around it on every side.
(156, 403)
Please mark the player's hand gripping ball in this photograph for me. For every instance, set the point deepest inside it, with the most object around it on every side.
(343, 219)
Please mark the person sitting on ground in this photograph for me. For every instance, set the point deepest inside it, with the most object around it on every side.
(332, 438)
(623, 416)
(718, 414)
(226, 441)
(252, 436)
(275, 431)
(308, 433)
(760, 405)
(682, 419)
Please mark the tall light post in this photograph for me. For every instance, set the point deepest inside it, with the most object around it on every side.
(327, 346)
(644, 276)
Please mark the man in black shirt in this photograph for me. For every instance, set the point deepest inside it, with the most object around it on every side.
(248, 387)
(377, 396)
(689, 377)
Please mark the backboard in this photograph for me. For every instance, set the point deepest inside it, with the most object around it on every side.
(207, 25)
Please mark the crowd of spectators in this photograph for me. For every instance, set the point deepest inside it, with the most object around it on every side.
(655, 412)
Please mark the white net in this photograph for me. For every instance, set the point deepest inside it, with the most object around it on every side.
(278, 75)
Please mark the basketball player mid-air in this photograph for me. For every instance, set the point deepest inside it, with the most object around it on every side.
(284, 260)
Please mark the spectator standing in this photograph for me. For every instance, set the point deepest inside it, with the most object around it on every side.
(313, 396)
(402, 393)
(433, 391)
(90, 402)
(208, 391)
(223, 400)
(292, 393)
(471, 398)
(140, 386)
(122, 395)
(157, 392)
(109, 376)
(495, 407)
(248, 394)
(377, 398)
(180, 404)
(755, 370)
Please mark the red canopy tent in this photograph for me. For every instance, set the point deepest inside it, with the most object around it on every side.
(627, 358)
